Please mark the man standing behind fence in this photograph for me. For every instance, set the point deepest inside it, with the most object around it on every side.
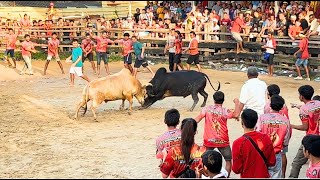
(87, 45)
(126, 51)
(238, 24)
(11, 39)
(193, 51)
(102, 46)
(53, 47)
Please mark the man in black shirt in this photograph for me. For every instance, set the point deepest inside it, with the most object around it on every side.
(304, 23)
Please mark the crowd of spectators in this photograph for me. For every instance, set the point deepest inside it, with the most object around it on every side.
(281, 17)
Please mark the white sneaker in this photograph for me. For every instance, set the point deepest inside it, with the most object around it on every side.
(307, 79)
(298, 78)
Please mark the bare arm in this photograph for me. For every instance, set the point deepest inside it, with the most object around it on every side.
(303, 127)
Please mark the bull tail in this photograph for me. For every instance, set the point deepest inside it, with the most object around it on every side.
(211, 84)
(86, 99)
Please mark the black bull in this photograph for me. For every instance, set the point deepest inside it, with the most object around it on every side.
(179, 83)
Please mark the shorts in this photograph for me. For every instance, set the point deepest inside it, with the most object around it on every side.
(225, 151)
(139, 61)
(127, 59)
(177, 58)
(270, 59)
(193, 58)
(89, 56)
(303, 62)
(276, 170)
(76, 70)
(9, 51)
(236, 36)
(103, 56)
(57, 58)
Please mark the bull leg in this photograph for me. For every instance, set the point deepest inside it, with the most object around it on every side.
(94, 106)
(82, 103)
(195, 100)
(130, 99)
(122, 105)
(205, 97)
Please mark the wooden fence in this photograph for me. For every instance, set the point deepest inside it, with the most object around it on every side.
(211, 50)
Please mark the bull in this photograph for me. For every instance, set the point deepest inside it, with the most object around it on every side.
(179, 83)
(121, 85)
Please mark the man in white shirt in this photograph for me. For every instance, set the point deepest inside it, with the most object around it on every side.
(253, 93)
(171, 47)
(314, 26)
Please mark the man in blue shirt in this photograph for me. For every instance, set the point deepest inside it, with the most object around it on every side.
(138, 49)
(76, 59)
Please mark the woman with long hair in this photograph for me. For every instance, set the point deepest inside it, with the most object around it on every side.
(187, 155)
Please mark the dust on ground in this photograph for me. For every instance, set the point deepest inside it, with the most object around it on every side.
(40, 140)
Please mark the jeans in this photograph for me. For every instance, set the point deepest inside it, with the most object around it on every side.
(276, 171)
(27, 64)
(297, 163)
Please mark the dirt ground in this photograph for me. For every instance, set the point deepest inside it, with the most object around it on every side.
(40, 140)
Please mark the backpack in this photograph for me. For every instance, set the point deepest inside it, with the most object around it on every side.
(187, 172)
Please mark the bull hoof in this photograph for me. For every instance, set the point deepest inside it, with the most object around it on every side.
(130, 113)
(82, 115)
(190, 110)
(75, 118)
(121, 108)
(203, 105)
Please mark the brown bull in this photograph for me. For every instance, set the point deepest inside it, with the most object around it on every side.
(121, 85)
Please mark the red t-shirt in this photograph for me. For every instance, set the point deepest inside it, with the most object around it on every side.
(313, 171)
(247, 161)
(226, 22)
(215, 127)
(178, 45)
(174, 162)
(26, 45)
(11, 41)
(310, 112)
(303, 45)
(277, 127)
(25, 23)
(194, 44)
(87, 45)
(102, 44)
(126, 45)
(53, 47)
(168, 140)
(236, 27)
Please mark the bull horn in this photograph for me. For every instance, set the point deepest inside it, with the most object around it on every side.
(148, 84)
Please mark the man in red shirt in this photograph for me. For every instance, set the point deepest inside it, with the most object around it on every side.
(238, 24)
(101, 49)
(253, 152)
(215, 128)
(87, 46)
(172, 137)
(310, 115)
(277, 127)
(311, 144)
(302, 57)
(11, 40)
(193, 49)
(53, 47)
(126, 51)
(26, 48)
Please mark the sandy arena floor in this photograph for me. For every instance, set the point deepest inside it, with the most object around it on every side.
(39, 140)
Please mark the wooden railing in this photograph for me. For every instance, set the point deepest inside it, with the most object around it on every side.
(156, 39)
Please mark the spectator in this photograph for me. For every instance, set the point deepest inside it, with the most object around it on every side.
(215, 128)
(172, 137)
(279, 133)
(76, 59)
(10, 41)
(304, 22)
(137, 15)
(253, 92)
(302, 57)
(126, 46)
(270, 47)
(26, 48)
(315, 32)
(311, 146)
(253, 152)
(313, 24)
(309, 115)
(238, 24)
(294, 31)
(87, 49)
(178, 51)
(212, 166)
(187, 155)
(193, 49)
